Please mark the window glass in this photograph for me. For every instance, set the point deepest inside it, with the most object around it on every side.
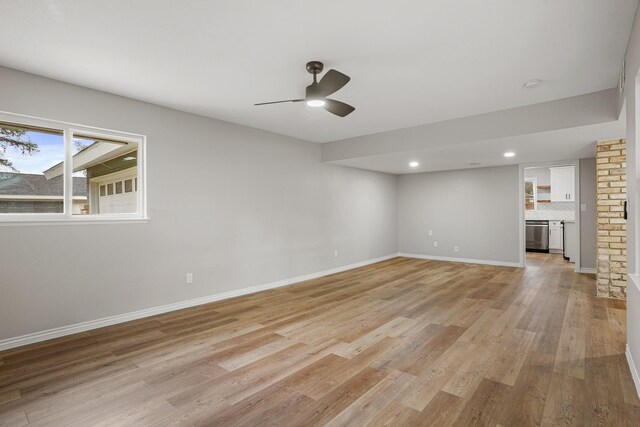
(530, 194)
(26, 158)
(102, 161)
(128, 185)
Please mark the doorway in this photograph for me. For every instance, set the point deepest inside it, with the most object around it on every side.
(549, 213)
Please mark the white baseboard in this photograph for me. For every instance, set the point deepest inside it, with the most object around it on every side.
(588, 270)
(634, 371)
(126, 317)
(464, 260)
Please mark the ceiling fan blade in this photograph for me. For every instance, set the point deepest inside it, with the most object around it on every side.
(332, 82)
(338, 108)
(279, 102)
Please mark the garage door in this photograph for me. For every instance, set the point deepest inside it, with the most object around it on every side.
(119, 196)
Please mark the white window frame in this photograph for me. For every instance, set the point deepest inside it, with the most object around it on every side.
(535, 193)
(69, 129)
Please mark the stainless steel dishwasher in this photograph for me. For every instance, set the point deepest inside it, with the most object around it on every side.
(537, 234)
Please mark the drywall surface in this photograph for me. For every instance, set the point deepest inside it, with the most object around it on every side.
(632, 61)
(543, 175)
(236, 206)
(474, 209)
(633, 327)
(581, 110)
(588, 246)
(630, 98)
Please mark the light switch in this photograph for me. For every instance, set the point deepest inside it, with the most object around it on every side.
(583, 207)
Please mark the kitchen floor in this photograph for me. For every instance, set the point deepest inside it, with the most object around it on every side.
(537, 258)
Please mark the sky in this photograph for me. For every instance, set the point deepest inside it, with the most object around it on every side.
(51, 152)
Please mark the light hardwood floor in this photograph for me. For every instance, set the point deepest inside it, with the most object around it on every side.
(403, 342)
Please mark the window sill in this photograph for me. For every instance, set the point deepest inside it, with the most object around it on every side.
(70, 221)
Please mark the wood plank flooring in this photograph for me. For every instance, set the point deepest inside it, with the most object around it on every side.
(403, 342)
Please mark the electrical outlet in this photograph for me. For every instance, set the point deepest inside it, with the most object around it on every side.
(435, 243)
(455, 249)
(430, 232)
(189, 278)
(335, 253)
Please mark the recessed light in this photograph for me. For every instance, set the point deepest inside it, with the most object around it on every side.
(532, 84)
(315, 103)
(128, 158)
(414, 164)
(509, 154)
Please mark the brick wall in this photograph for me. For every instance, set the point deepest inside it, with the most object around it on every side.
(611, 170)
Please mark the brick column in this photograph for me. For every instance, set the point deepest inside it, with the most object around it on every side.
(611, 171)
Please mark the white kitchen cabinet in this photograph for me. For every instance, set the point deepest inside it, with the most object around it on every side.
(555, 236)
(562, 184)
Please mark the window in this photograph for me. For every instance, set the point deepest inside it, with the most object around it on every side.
(25, 152)
(57, 172)
(530, 194)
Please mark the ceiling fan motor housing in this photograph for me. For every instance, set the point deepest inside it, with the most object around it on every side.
(315, 67)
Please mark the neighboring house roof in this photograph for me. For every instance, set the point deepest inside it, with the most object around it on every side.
(25, 184)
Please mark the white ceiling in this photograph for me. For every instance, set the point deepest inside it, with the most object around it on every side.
(565, 144)
(411, 62)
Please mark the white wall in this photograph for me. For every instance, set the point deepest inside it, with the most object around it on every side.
(588, 218)
(633, 242)
(474, 209)
(633, 216)
(236, 206)
(543, 175)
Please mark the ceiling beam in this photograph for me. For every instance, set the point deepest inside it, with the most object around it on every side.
(583, 110)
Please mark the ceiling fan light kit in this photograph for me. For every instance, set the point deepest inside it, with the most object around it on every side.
(317, 92)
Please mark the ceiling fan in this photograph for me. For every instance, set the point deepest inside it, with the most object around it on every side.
(317, 92)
